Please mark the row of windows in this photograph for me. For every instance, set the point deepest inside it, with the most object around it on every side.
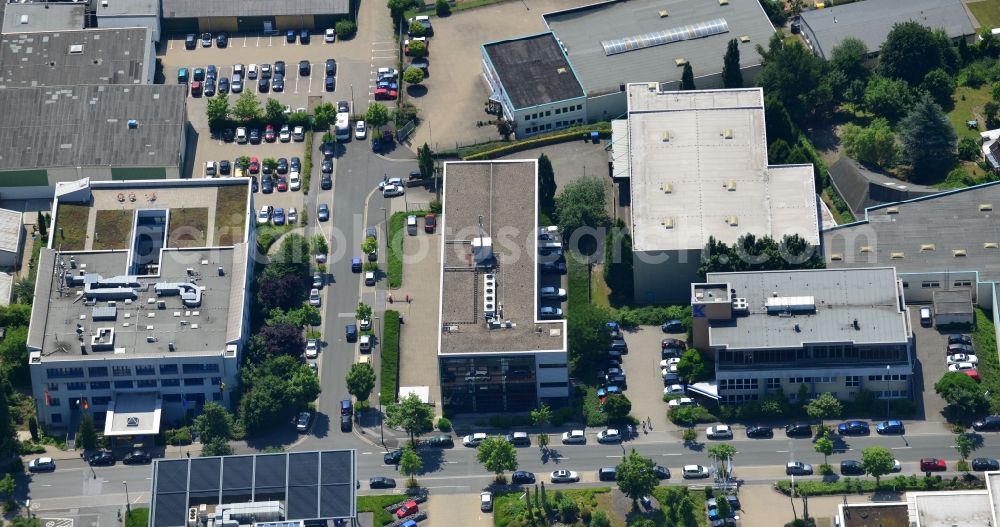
(807, 380)
(126, 371)
(852, 381)
(191, 400)
(141, 383)
(887, 377)
(811, 354)
(549, 126)
(738, 384)
(891, 394)
(554, 384)
(739, 398)
(553, 365)
(548, 113)
(934, 284)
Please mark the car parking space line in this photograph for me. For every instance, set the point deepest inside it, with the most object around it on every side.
(296, 84)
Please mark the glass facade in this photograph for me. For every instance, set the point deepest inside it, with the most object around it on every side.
(488, 383)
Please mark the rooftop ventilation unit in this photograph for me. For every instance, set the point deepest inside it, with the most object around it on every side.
(668, 222)
(926, 247)
(667, 36)
(727, 133)
(665, 136)
(790, 304)
(744, 38)
(991, 245)
(667, 188)
(836, 257)
(892, 210)
(76, 49)
(680, 61)
(740, 304)
(664, 13)
(865, 249)
(489, 295)
(561, 71)
(897, 256)
(732, 220)
(985, 207)
(731, 185)
(957, 253)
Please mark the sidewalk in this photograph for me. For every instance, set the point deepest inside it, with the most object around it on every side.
(765, 507)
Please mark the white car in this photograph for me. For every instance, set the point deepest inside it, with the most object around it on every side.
(609, 436)
(370, 278)
(674, 389)
(473, 440)
(694, 472)
(897, 466)
(564, 476)
(392, 190)
(210, 169)
(264, 215)
(241, 135)
(552, 292)
(669, 370)
(673, 361)
(299, 134)
(312, 348)
(574, 437)
(294, 181)
(962, 357)
(330, 36)
(719, 432)
(390, 181)
(683, 401)
(365, 325)
(285, 134)
(314, 299)
(293, 215)
(360, 130)
(41, 464)
(962, 366)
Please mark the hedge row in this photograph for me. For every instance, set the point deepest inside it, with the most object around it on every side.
(389, 376)
(473, 153)
(896, 484)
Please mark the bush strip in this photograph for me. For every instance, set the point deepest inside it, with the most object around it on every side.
(389, 376)
(491, 150)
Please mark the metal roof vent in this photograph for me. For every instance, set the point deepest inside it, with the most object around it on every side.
(731, 185)
(561, 71)
(727, 133)
(24, 19)
(667, 188)
(985, 207)
(668, 223)
(665, 136)
(680, 61)
(926, 247)
(836, 257)
(892, 210)
(76, 49)
(991, 245)
(723, 2)
(733, 220)
(865, 249)
(897, 256)
(957, 253)
(664, 13)
(744, 38)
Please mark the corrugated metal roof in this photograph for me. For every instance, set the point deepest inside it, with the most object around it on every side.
(250, 8)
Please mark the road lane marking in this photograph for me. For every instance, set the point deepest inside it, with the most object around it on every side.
(673, 454)
(782, 451)
(901, 448)
(346, 315)
(613, 456)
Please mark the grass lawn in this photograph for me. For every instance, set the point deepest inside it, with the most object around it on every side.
(986, 12)
(970, 167)
(394, 258)
(985, 342)
(508, 506)
(113, 229)
(138, 517)
(376, 505)
(188, 227)
(842, 214)
(969, 108)
(72, 219)
(389, 375)
(230, 214)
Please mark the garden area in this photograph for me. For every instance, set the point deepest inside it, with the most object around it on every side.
(541, 506)
(188, 227)
(230, 214)
(71, 226)
(113, 229)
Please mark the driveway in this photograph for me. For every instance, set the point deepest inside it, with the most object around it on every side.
(645, 383)
(929, 367)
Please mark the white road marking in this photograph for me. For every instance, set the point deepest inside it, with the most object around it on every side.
(673, 454)
(613, 456)
(901, 448)
(346, 315)
(782, 451)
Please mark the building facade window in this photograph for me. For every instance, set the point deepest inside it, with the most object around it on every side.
(63, 373)
(193, 369)
(554, 384)
(170, 382)
(172, 397)
(77, 386)
(53, 387)
(887, 377)
(123, 384)
(963, 283)
(197, 381)
(97, 371)
(739, 398)
(147, 369)
(101, 401)
(773, 383)
(56, 418)
(553, 365)
(852, 381)
(147, 383)
(122, 371)
(216, 381)
(217, 396)
(54, 401)
(738, 384)
(100, 385)
(168, 369)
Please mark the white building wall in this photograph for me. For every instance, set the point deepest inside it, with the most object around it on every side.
(550, 117)
(552, 375)
(919, 287)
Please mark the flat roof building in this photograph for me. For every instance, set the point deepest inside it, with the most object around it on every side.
(130, 13)
(954, 508)
(832, 330)
(54, 134)
(11, 240)
(141, 304)
(495, 352)
(67, 58)
(697, 163)
(872, 20)
(20, 17)
(251, 16)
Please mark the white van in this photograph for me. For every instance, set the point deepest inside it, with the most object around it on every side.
(411, 225)
(252, 71)
(365, 343)
(343, 127)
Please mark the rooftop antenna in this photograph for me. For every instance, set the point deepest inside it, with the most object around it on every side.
(482, 232)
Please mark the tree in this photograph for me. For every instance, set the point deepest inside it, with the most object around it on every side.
(546, 183)
(274, 390)
(283, 339)
(732, 77)
(217, 446)
(617, 406)
(247, 107)
(582, 203)
(318, 245)
(370, 245)
(425, 160)
(587, 337)
(824, 407)
(968, 149)
(849, 58)
(824, 445)
(323, 115)
(635, 476)
(8, 486)
(410, 463)
(990, 111)
(961, 392)
(345, 28)
(8, 434)
(779, 125)
(963, 444)
(877, 461)
(889, 98)
(213, 423)
(939, 85)
(687, 78)
(797, 77)
(361, 380)
(874, 144)
(87, 436)
(363, 312)
(497, 455)
(274, 112)
(928, 139)
(691, 367)
(442, 8)
(721, 454)
(909, 52)
(14, 356)
(377, 115)
(412, 415)
(42, 224)
(689, 435)
(413, 75)
(416, 29)
(217, 112)
(33, 427)
(398, 7)
(416, 48)
(541, 415)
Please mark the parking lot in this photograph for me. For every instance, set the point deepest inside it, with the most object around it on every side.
(930, 346)
(642, 368)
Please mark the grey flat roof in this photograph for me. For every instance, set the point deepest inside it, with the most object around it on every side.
(840, 296)
(924, 234)
(310, 485)
(71, 126)
(504, 193)
(134, 414)
(128, 8)
(582, 29)
(10, 230)
(105, 56)
(871, 20)
(43, 16)
(533, 70)
(250, 8)
(958, 302)
(699, 183)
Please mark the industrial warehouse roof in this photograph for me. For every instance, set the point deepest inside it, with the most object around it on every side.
(533, 70)
(310, 485)
(125, 8)
(65, 58)
(871, 20)
(11, 230)
(84, 126)
(838, 298)
(252, 8)
(42, 16)
(698, 164)
(503, 195)
(950, 231)
(584, 30)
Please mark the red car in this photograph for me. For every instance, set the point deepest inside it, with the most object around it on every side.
(430, 222)
(382, 94)
(407, 509)
(269, 134)
(972, 373)
(927, 464)
(282, 185)
(254, 165)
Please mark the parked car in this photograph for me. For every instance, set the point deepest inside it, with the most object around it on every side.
(519, 439)
(661, 472)
(486, 501)
(926, 318)
(611, 435)
(393, 457)
(361, 131)
(190, 41)
(931, 464)
(892, 426)
(101, 459)
(961, 366)
(683, 401)
(264, 215)
(370, 278)
(694, 472)
(330, 36)
(674, 389)
(853, 428)
(279, 216)
(673, 326)
(473, 440)
(798, 468)
(323, 212)
(137, 457)
(521, 477)
(441, 441)
(959, 339)
(421, 63)
(351, 332)
(550, 312)
(798, 430)
(564, 476)
(206, 40)
(381, 482)
(41, 464)
(757, 432)
(987, 424)
(959, 358)
(303, 421)
(430, 223)
(851, 467)
(982, 464)
(553, 293)
(607, 473)
(719, 432)
(222, 40)
(312, 346)
(959, 348)
(574, 437)
(391, 191)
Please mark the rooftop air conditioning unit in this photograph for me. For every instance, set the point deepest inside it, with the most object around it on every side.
(489, 295)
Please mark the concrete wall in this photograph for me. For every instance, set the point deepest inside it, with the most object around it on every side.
(217, 23)
(545, 118)
(151, 21)
(295, 22)
(68, 174)
(665, 277)
(917, 287)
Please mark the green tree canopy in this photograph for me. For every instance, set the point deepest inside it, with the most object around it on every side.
(216, 447)
(497, 455)
(939, 85)
(582, 203)
(929, 140)
(797, 77)
(635, 476)
(274, 111)
(909, 53)
(963, 445)
(877, 461)
(14, 355)
(732, 77)
(323, 115)
(214, 422)
(377, 115)
(587, 337)
(962, 393)
(87, 436)
(8, 434)
(721, 454)
(888, 97)
(410, 462)
(874, 144)
(398, 7)
(691, 367)
(413, 75)
(824, 445)
(541, 415)
(546, 183)
(217, 112)
(849, 58)
(412, 415)
(824, 407)
(274, 390)
(617, 406)
(363, 312)
(416, 48)
(687, 77)
(361, 380)
(247, 107)
(425, 160)
(751, 253)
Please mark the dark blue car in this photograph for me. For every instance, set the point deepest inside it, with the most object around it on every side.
(673, 326)
(892, 426)
(853, 428)
(290, 36)
(356, 264)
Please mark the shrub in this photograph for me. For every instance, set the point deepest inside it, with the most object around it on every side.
(599, 519)
(179, 436)
(346, 28)
(690, 415)
(390, 355)
(568, 511)
(968, 149)
(444, 424)
(689, 435)
(442, 8)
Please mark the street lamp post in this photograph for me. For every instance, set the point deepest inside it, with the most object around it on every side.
(886, 392)
(380, 432)
(128, 502)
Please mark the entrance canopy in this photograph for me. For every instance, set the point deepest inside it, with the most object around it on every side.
(134, 414)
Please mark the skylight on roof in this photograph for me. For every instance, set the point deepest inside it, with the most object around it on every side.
(659, 38)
